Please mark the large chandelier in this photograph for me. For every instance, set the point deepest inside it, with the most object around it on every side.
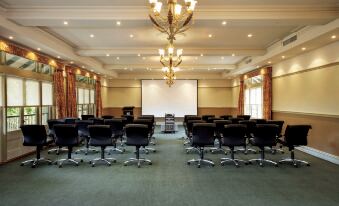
(176, 20)
(170, 63)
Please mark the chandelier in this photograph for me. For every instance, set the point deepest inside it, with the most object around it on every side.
(170, 63)
(176, 20)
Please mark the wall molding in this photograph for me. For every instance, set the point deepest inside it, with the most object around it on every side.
(320, 154)
(307, 114)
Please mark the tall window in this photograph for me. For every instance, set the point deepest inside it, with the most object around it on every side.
(254, 97)
(32, 102)
(47, 102)
(85, 104)
(15, 101)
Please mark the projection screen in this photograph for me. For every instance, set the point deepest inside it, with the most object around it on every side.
(179, 99)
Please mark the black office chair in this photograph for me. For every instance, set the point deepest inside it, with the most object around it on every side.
(70, 120)
(97, 121)
(219, 127)
(117, 127)
(137, 135)
(67, 136)
(107, 117)
(264, 135)
(129, 118)
(259, 121)
(84, 135)
(190, 134)
(101, 136)
(233, 135)
(205, 117)
(86, 116)
(152, 118)
(226, 117)
(245, 117)
(280, 124)
(150, 127)
(211, 119)
(35, 135)
(295, 135)
(51, 133)
(250, 127)
(188, 118)
(202, 136)
(235, 120)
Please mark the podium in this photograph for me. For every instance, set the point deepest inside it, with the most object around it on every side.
(128, 110)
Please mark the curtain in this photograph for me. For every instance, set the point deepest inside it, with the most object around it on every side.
(60, 100)
(98, 100)
(267, 93)
(71, 93)
(241, 98)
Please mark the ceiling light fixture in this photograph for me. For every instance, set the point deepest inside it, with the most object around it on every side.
(139, 55)
(210, 36)
(304, 48)
(170, 63)
(107, 55)
(201, 55)
(224, 23)
(333, 36)
(250, 35)
(131, 36)
(118, 58)
(65, 22)
(269, 62)
(11, 37)
(38, 49)
(72, 62)
(283, 57)
(233, 55)
(92, 70)
(91, 35)
(58, 57)
(118, 23)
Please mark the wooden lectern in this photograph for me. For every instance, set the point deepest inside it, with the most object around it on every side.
(128, 110)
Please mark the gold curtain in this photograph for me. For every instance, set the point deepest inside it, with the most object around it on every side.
(59, 91)
(267, 93)
(71, 93)
(98, 100)
(241, 98)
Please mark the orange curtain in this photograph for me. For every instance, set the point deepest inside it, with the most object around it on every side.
(241, 98)
(98, 100)
(71, 93)
(267, 93)
(59, 91)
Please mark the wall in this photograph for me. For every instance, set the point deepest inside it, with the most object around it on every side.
(306, 91)
(214, 96)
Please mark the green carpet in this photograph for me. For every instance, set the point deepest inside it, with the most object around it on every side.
(169, 181)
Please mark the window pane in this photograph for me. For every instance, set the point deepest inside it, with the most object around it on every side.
(32, 93)
(80, 96)
(30, 115)
(14, 92)
(47, 93)
(92, 96)
(13, 119)
(44, 115)
(86, 94)
(1, 93)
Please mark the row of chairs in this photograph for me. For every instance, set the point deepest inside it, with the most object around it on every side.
(70, 132)
(201, 133)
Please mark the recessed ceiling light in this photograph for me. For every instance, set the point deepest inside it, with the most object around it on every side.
(269, 62)
(224, 23)
(201, 55)
(38, 49)
(233, 55)
(107, 55)
(333, 36)
(65, 22)
(257, 67)
(131, 35)
(222, 57)
(125, 68)
(139, 55)
(72, 62)
(11, 37)
(210, 35)
(83, 66)
(304, 48)
(283, 57)
(118, 58)
(118, 23)
(92, 35)
(250, 35)
(92, 70)
(143, 58)
(58, 57)
(99, 73)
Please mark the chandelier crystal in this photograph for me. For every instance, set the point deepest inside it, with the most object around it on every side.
(175, 19)
(170, 63)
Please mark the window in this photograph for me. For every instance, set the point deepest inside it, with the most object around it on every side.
(85, 98)
(32, 93)
(254, 97)
(1, 93)
(14, 92)
(47, 102)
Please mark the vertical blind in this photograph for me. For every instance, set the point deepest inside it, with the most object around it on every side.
(14, 92)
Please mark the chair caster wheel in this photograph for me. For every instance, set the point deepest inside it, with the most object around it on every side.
(93, 165)
(295, 165)
(85, 153)
(138, 166)
(75, 152)
(188, 163)
(109, 165)
(22, 164)
(276, 165)
(237, 166)
(50, 163)
(150, 163)
(77, 165)
(308, 165)
(125, 164)
(33, 166)
(114, 161)
(187, 152)
(81, 160)
(48, 153)
(60, 166)
(246, 163)
(261, 165)
(213, 165)
(199, 166)
(154, 151)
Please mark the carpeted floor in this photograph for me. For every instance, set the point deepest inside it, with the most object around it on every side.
(169, 181)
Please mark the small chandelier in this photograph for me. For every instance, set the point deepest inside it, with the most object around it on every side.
(176, 20)
(170, 63)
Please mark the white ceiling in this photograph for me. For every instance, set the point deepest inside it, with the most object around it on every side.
(268, 20)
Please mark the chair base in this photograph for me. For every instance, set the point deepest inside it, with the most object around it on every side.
(245, 150)
(234, 161)
(262, 161)
(219, 150)
(200, 162)
(190, 149)
(137, 161)
(295, 162)
(187, 142)
(107, 161)
(74, 161)
(57, 150)
(147, 150)
(274, 150)
(86, 150)
(115, 149)
(35, 162)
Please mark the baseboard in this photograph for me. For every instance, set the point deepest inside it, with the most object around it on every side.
(320, 154)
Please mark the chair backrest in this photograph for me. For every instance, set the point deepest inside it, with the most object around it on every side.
(66, 134)
(97, 121)
(205, 117)
(226, 117)
(70, 120)
(265, 134)
(245, 117)
(250, 125)
(107, 116)
(129, 118)
(137, 134)
(219, 126)
(296, 135)
(116, 125)
(190, 125)
(211, 119)
(203, 134)
(188, 115)
(86, 116)
(83, 127)
(100, 135)
(280, 124)
(191, 118)
(234, 134)
(34, 135)
(147, 122)
(235, 120)
(51, 123)
(259, 121)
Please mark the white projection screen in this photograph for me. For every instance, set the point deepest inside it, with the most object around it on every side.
(179, 99)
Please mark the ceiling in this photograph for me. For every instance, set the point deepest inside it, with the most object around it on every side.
(112, 51)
